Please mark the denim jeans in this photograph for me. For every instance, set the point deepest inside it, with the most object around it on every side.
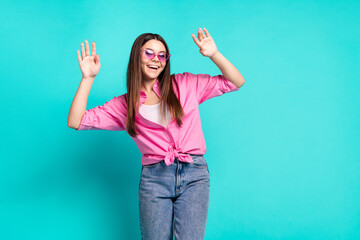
(174, 200)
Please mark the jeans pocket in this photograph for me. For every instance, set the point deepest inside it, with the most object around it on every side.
(151, 165)
(199, 162)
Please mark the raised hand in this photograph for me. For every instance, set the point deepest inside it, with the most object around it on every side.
(89, 64)
(205, 43)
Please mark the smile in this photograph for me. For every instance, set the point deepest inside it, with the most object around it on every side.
(153, 67)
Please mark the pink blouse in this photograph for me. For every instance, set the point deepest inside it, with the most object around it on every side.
(156, 142)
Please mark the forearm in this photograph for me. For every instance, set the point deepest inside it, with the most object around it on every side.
(78, 106)
(228, 70)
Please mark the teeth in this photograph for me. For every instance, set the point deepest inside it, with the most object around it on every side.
(152, 66)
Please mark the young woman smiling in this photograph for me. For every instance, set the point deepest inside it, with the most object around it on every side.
(161, 114)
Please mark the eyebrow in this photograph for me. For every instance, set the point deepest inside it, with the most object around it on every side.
(154, 50)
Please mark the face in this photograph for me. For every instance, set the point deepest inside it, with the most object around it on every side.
(151, 68)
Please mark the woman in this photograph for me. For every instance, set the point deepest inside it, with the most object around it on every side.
(160, 112)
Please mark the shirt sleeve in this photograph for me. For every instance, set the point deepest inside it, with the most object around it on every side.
(110, 116)
(207, 86)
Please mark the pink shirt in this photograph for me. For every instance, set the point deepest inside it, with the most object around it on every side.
(156, 142)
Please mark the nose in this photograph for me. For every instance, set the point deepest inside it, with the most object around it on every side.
(156, 58)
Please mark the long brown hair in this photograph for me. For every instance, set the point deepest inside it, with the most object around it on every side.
(134, 81)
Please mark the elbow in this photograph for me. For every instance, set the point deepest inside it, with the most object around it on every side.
(240, 84)
(73, 125)
(70, 123)
(73, 122)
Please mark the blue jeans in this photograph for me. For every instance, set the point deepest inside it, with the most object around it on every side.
(174, 199)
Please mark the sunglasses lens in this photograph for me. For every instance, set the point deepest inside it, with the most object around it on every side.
(149, 54)
(162, 57)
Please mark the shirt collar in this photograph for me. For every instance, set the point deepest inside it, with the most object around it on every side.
(155, 87)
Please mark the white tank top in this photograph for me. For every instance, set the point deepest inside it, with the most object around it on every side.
(152, 113)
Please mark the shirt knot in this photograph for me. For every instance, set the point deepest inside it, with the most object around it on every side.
(176, 153)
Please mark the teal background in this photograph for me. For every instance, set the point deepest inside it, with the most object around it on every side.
(283, 151)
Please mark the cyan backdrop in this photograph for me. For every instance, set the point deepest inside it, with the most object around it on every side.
(283, 151)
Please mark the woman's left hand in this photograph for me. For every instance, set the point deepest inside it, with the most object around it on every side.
(205, 43)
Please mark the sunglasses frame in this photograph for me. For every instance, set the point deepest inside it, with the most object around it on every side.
(156, 54)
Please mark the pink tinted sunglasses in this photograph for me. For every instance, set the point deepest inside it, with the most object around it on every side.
(150, 54)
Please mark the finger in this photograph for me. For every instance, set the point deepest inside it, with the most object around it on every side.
(87, 49)
(195, 40)
(207, 33)
(82, 50)
(202, 33)
(93, 52)
(98, 59)
(78, 56)
(199, 34)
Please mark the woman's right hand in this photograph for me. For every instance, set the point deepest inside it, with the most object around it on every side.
(89, 64)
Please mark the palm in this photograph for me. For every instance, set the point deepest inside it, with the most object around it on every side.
(89, 67)
(89, 64)
(205, 43)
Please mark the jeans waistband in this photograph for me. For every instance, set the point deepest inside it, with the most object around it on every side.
(196, 154)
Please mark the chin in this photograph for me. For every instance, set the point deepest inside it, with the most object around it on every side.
(151, 75)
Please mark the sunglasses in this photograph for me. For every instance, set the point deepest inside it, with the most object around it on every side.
(150, 54)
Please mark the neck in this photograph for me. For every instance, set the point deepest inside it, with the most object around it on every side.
(147, 84)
